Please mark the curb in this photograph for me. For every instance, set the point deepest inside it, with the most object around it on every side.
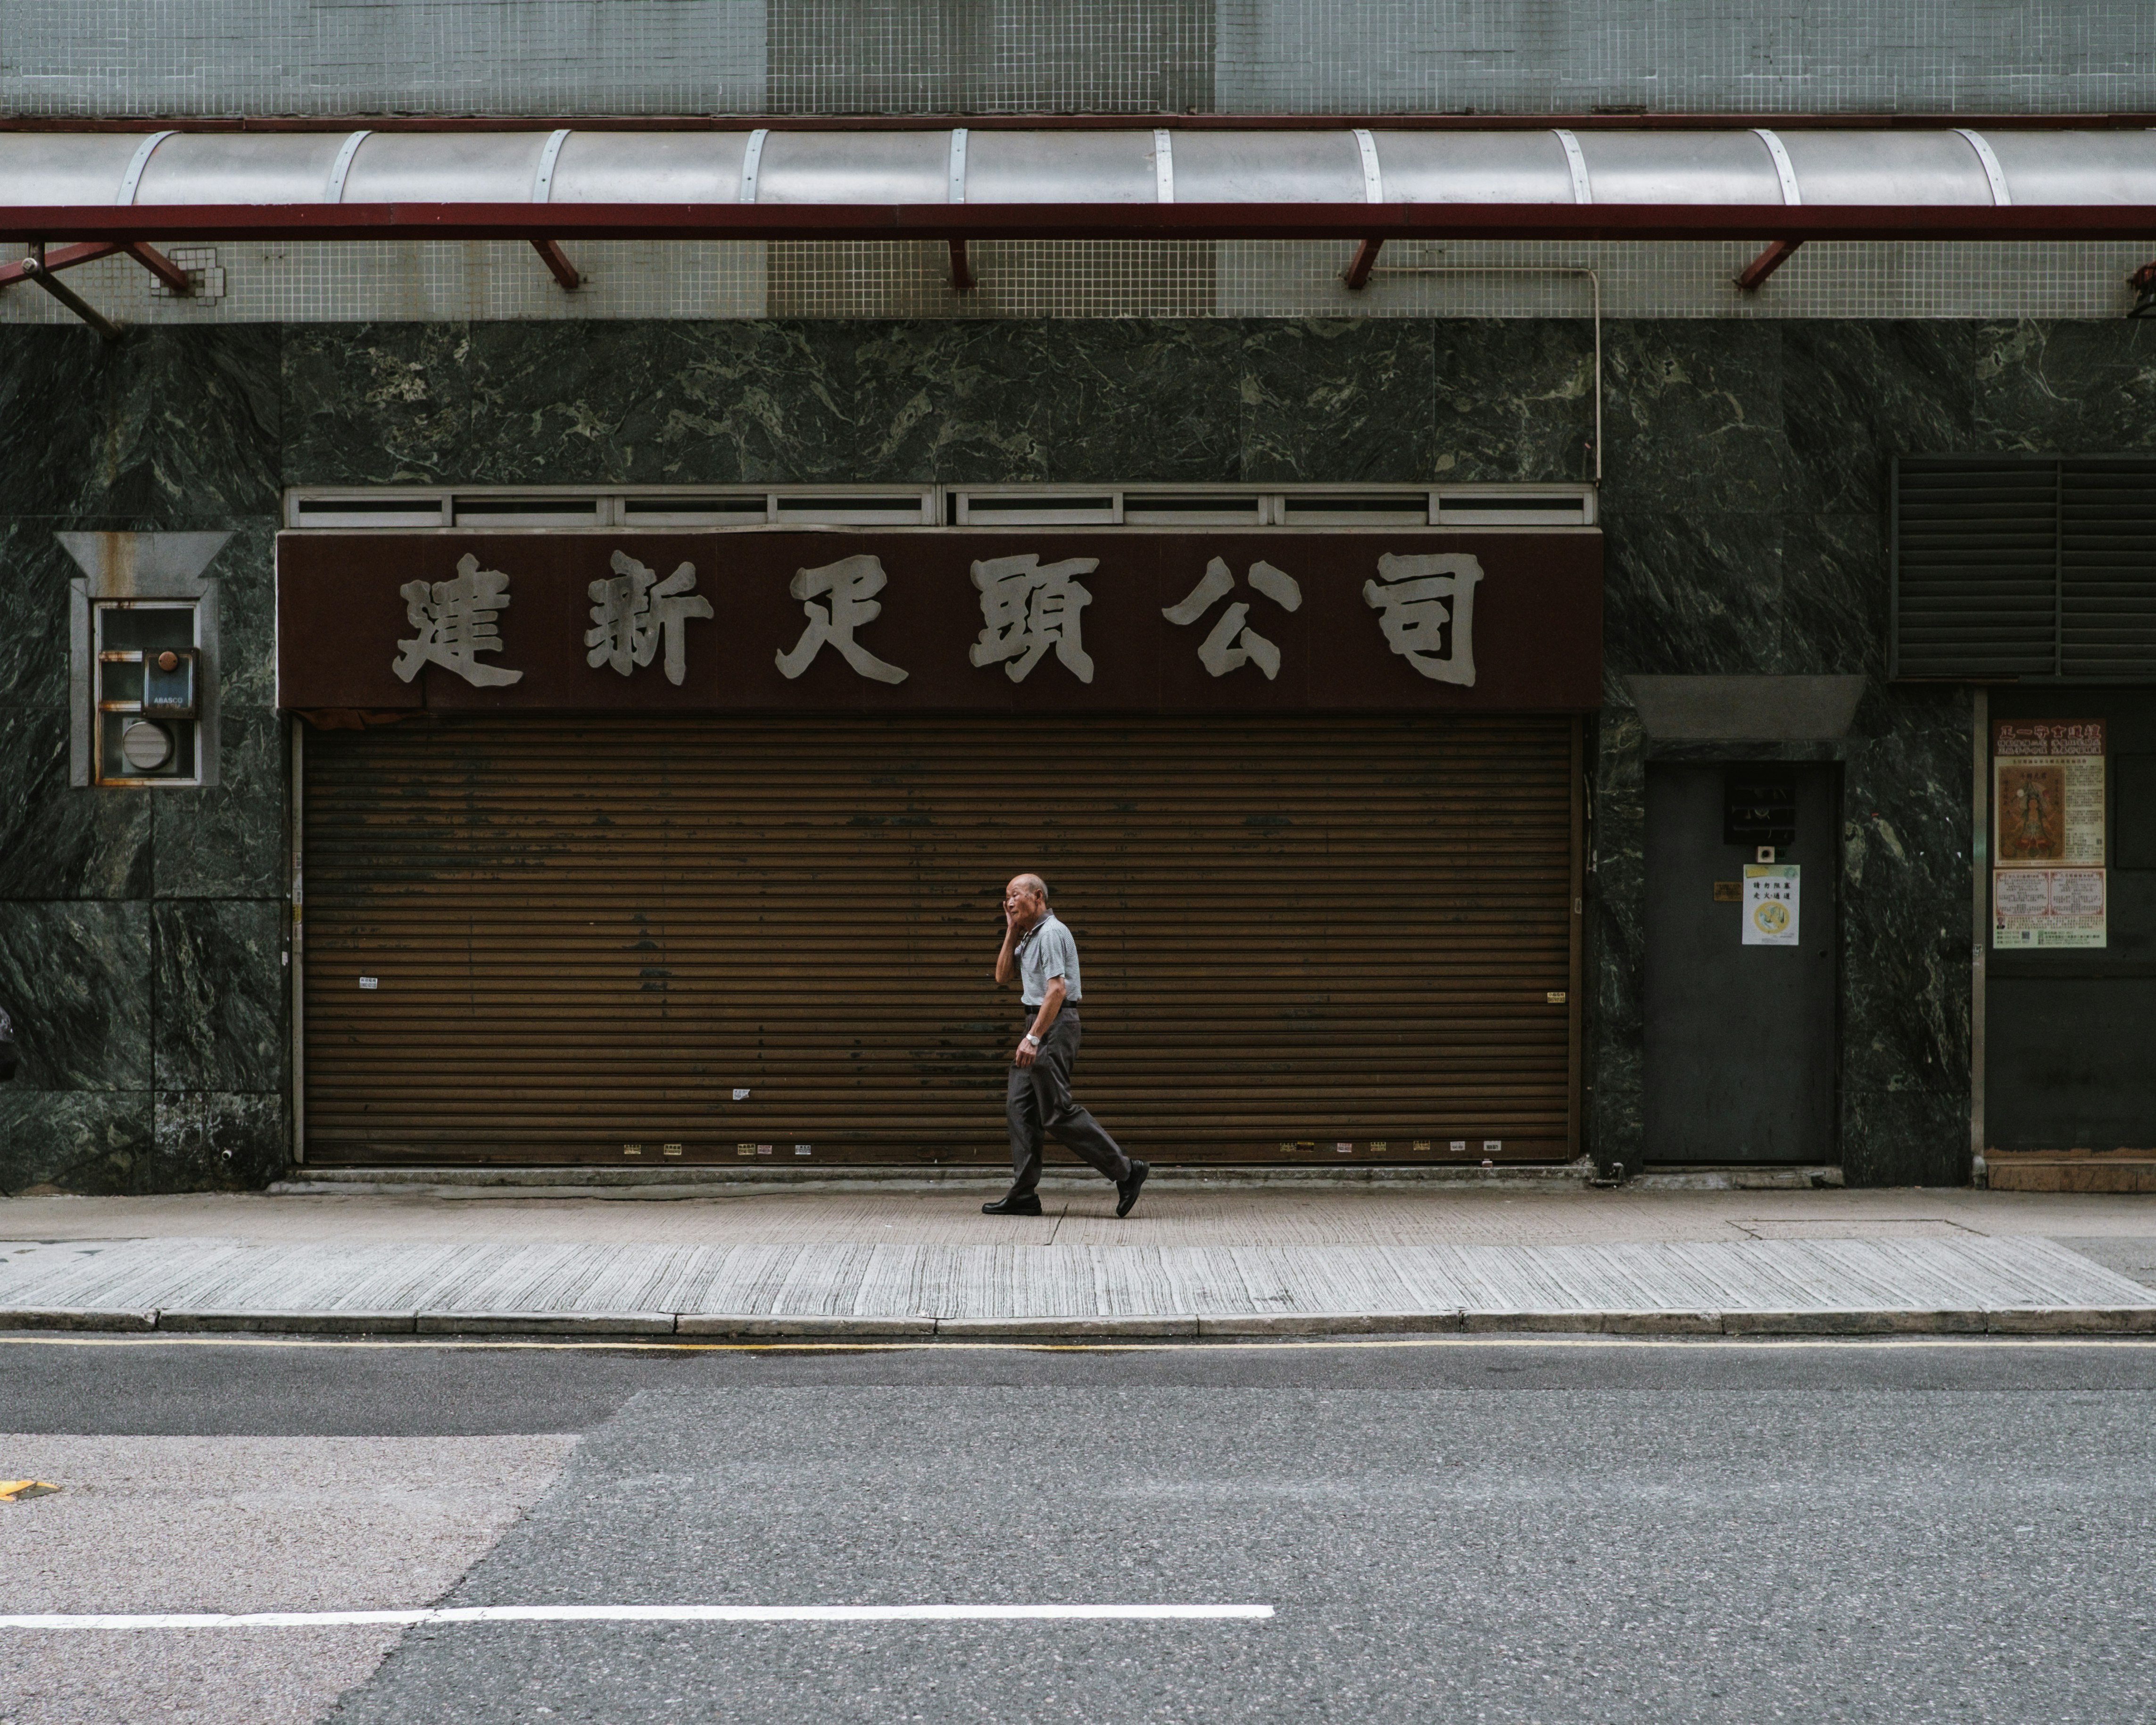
(76, 1317)
(2074, 1320)
(1853, 1320)
(299, 1323)
(1664, 1323)
(721, 1180)
(1572, 1323)
(545, 1323)
(1825, 1320)
(1246, 1324)
(1066, 1329)
(804, 1329)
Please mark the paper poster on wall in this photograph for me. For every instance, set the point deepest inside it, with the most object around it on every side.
(2047, 794)
(2047, 907)
(1770, 904)
(2047, 799)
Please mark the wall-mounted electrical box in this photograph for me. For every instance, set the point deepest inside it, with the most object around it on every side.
(148, 706)
(145, 658)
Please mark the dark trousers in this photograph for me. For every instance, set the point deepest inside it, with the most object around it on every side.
(1038, 1100)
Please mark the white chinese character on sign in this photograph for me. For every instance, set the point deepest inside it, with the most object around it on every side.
(456, 621)
(1421, 597)
(1233, 643)
(634, 609)
(851, 585)
(1029, 607)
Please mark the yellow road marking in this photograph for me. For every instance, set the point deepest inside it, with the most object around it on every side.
(507, 1344)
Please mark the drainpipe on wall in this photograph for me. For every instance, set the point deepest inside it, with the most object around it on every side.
(1979, 857)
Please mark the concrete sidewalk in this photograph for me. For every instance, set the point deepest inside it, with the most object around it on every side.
(1193, 1262)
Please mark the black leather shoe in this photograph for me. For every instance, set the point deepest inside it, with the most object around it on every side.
(1018, 1203)
(1126, 1191)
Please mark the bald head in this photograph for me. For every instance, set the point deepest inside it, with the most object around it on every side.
(1025, 901)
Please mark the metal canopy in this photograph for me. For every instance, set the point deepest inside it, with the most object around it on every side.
(108, 191)
(1079, 183)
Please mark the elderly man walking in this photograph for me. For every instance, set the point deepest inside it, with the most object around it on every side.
(1039, 955)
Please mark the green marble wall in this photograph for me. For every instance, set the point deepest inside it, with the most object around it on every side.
(1744, 505)
(140, 931)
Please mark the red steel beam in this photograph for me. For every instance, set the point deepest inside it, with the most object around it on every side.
(558, 260)
(37, 268)
(64, 256)
(1755, 273)
(67, 257)
(1084, 122)
(81, 307)
(1366, 259)
(159, 266)
(1360, 221)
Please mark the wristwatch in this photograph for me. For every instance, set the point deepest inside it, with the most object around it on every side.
(1033, 1039)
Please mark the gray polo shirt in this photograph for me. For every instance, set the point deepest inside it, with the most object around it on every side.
(1046, 950)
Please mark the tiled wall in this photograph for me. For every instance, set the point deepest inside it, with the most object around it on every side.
(1005, 56)
(370, 281)
(1744, 511)
(447, 57)
(1694, 56)
(568, 57)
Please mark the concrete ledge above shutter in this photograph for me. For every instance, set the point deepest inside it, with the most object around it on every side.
(1746, 709)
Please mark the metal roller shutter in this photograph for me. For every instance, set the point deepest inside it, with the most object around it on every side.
(1298, 932)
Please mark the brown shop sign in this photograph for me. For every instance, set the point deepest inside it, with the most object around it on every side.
(945, 621)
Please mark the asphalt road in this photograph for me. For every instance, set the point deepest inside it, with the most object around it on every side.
(1471, 1530)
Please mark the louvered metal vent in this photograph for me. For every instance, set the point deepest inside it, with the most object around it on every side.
(2008, 568)
(2108, 569)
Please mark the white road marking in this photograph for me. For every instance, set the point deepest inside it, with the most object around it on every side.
(614, 1614)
